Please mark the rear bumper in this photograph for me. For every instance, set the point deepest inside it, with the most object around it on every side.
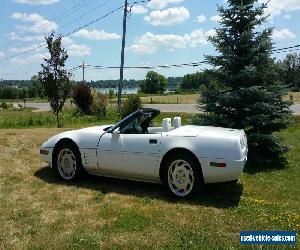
(46, 155)
(231, 172)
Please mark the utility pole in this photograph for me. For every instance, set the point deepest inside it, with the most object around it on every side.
(122, 54)
(83, 72)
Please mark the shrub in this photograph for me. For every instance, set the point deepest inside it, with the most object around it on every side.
(83, 98)
(4, 105)
(99, 104)
(111, 94)
(132, 103)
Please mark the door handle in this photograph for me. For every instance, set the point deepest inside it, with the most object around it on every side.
(152, 141)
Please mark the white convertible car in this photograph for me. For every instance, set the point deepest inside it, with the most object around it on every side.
(180, 157)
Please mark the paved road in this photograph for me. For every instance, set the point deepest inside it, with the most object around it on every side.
(189, 108)
(39, 106)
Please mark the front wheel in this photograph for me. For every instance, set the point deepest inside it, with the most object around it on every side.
(182, 176)
(67, 162)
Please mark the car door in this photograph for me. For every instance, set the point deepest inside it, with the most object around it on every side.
(133, 156)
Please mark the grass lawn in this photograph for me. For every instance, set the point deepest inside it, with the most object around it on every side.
(39, 211)
(186, 98)
(171, 99)
(158, 99)
(296, 96)
(68, 118)
(27, 100)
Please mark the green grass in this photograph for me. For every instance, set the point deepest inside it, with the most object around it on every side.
(69, 118)
(168, 98)
(34, 99)
(39, 211)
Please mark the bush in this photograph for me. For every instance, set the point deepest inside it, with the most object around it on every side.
(99, 104)
(132, 103)
(4, 106)
(111, 94)
(83, 98)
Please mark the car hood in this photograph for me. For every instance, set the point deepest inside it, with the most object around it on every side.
(84, 138)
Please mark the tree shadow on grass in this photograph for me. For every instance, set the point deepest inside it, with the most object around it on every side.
(260, 167)
(222, 195)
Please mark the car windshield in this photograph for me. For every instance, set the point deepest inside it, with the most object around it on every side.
(128, 118)
(136, 126)
(137, 122)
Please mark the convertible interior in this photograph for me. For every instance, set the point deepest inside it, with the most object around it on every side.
(141, 122)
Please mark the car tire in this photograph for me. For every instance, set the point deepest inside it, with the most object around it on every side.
(182, 175)
(67, 163)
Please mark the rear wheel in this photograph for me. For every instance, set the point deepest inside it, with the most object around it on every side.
(182, 175)
(67, 162)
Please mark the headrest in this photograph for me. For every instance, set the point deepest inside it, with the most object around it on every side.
(177, 122)
(166, 124)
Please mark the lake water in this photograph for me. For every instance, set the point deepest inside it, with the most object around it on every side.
(124, 91)
(129, 91)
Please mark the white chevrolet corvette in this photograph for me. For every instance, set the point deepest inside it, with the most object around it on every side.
(180, 157)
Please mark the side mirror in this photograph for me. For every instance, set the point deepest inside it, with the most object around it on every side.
(116, 132)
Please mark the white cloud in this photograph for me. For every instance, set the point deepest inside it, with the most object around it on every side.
(210, 33)
(138, 9)
(1, 54)
(78, 50)
(150, 43)
(37, 2)
(283, 34)
(276, 7)
(66, 41)
(201, 19)
(160, 4)
(39, 23)
(37, 58)
(23, 49)
(287, 17)
(215, 18)
(96, 35)
(199, 38)
(168, 17)
(15, 37)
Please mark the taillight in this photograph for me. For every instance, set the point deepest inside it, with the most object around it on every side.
(218, 164)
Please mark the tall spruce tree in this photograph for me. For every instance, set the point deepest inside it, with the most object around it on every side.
(247, 94)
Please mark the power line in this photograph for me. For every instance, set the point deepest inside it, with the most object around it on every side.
(166, 66)
(74, 20)
(58, 18)
(94, 21)
(22, 53)
(86, 13)
(291, 47)
(286, 51)
(74, 68)
(68, 34)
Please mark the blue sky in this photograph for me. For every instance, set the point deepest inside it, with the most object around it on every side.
(160, 32)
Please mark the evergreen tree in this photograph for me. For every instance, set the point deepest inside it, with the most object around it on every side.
(247, 94)
(53, 77)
